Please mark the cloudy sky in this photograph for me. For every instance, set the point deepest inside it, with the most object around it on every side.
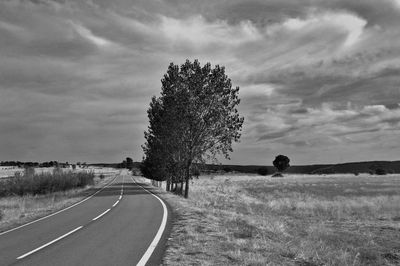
(319, 79)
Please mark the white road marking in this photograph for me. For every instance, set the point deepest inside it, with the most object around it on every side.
(115, 204)
(62, 210)
(94, 219)
(48, 244)
(160, 231)
(120, 197)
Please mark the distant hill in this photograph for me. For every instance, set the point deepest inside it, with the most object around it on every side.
(353, 167)
(343, 168)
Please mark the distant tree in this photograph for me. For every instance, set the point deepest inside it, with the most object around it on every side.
(129, 163)
(73, 166)
(227, 169)
(194, 119)
(281, 163)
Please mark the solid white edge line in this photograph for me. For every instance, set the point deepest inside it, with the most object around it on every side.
(94, 219)
(160, 231)
(62, 210)
(115, 204)
(120, 197)
(49, 243)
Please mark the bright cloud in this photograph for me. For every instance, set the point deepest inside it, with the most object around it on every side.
(352, 24)
(198, 31)
(88, 34)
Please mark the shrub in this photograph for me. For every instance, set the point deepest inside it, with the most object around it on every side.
(101, 176)
(44, 183)
(262, 171)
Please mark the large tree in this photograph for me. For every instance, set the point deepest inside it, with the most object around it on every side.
(193, 120)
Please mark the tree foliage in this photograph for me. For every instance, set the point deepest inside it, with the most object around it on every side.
(281, 162)
(193, 120)
(129, 163)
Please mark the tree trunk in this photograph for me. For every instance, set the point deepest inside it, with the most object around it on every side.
(181, 188)
(187, 187)
(168, 188)
(187, 177)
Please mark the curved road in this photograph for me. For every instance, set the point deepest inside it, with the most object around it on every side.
(119, 225)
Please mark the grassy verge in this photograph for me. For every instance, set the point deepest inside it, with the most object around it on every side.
(296, 220)
(17, 210)
(44, 183)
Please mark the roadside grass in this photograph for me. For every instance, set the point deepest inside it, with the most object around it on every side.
(295, 220)
(16, 210)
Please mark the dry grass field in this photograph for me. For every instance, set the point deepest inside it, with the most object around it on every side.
(16, 210)
(295, 220)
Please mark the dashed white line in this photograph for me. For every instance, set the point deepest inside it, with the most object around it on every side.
(48, 244)
(71, 232)
(62, 210)
(160, 231)
(94, 219)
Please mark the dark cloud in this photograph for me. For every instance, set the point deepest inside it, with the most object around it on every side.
(392, 106)
(299, 111)
(276, 135)
(358, 132)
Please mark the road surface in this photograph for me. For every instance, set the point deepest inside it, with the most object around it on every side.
(122, 224)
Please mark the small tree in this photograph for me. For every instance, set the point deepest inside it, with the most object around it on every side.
(281, 163)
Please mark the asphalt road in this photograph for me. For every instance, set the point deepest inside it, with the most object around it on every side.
(120, 225)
